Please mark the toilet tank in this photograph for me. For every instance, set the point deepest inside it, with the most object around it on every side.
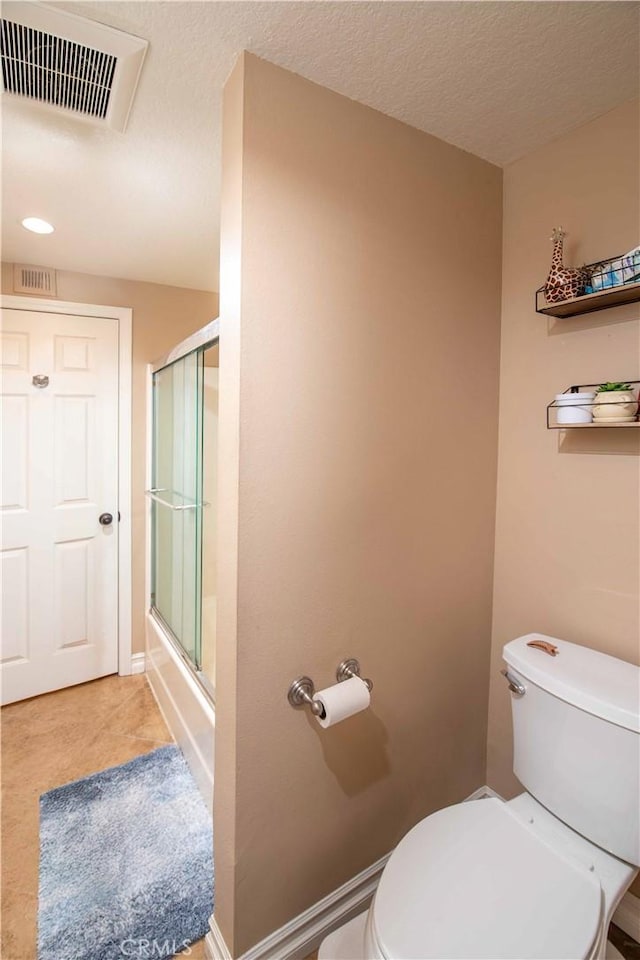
(576, 732)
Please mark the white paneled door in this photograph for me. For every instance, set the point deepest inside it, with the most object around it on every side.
(59, 501)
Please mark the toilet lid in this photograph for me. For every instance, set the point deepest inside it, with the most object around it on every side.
(472, 881)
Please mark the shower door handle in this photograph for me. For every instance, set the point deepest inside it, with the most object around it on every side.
(153, 495)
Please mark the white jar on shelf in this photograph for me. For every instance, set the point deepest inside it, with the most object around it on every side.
(574, 407)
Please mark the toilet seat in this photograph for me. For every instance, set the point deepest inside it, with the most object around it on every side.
(473, 881)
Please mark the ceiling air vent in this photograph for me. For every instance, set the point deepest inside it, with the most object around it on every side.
(30, 279)
(69, 63)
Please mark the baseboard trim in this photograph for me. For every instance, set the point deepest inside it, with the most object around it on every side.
(298, 938)
(627, 915)
(482, 792)
(138, 663)
(305, 932)
(302, 935)
(215, 947)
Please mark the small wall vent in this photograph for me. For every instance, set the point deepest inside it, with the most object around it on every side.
(70, 63)
(31, 279)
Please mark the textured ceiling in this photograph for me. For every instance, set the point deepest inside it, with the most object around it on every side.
(496, 78)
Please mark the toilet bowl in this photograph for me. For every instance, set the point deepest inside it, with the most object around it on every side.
(524, 879)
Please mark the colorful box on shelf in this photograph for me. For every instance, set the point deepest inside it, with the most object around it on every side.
(615, 272)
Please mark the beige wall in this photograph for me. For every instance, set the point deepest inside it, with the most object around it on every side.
(359, 373)
(162, 316)
(567, 533)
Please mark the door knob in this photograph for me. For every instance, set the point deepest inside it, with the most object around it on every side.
(105, 519)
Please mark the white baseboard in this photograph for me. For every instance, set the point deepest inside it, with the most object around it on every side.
(627, 915)
(482, 792)
(298, 938)
(138, 663)
(302, 935)
(215, 947)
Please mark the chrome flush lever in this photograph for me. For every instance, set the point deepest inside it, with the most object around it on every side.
(515, 686)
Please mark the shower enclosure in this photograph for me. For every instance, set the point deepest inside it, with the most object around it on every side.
(181, 619)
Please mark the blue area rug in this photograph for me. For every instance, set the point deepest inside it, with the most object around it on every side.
(126, 863)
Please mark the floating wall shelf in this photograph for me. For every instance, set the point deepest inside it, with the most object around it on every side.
(592, 426)
(605, 288)
(588, 302)
(555, 406)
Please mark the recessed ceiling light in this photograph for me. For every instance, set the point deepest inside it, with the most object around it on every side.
(36, 225)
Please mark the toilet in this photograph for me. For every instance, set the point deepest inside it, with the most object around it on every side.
(538, 876)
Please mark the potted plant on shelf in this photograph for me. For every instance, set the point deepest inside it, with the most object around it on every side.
(615, 403)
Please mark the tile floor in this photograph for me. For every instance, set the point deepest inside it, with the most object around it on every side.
(48, 741)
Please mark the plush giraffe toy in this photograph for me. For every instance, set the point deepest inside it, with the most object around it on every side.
(563, 282)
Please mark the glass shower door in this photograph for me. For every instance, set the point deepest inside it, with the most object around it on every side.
(176, 495)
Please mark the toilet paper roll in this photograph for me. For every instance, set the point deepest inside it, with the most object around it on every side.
(342, 700)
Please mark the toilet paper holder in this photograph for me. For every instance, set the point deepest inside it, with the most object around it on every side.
(302, 689)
